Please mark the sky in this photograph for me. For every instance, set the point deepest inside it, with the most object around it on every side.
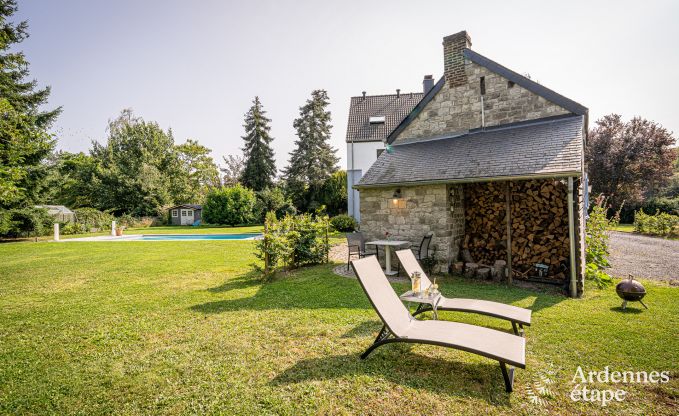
(196, 66)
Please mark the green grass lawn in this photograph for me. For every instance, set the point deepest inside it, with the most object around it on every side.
(184, 327)
(625, 228)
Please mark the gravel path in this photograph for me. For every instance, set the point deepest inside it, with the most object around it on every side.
(642, 256)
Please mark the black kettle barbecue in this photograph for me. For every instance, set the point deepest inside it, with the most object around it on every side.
(630, 291)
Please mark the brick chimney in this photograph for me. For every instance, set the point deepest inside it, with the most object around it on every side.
(453, 60)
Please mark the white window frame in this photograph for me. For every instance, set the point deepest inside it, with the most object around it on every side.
(175, 213)
(184, 214)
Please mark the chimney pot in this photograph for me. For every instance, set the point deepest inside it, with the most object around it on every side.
(364, 95)
(398, 93)
(427, 83)
(453, 58)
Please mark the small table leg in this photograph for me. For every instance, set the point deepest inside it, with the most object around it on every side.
(387, 261)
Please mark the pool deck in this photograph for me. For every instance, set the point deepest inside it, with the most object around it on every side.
(139, 237)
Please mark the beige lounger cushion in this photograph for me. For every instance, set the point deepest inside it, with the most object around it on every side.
(490, 343)
(484, 307)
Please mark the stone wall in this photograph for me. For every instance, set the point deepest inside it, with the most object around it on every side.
(420, 210)
(458, 108)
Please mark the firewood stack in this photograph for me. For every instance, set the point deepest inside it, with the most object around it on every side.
(539, 225)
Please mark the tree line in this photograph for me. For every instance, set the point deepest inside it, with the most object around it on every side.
(139, 169)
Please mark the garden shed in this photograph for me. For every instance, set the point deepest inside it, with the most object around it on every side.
(185, 214)
(493, 164)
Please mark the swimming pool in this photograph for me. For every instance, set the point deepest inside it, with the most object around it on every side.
(174, 237)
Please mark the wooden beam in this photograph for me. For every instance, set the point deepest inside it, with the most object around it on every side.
(571, 240)
(508, 216)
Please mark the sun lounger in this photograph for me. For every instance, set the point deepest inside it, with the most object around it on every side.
(400, 326)
(517, 316)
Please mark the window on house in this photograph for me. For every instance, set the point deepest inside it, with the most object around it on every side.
(184, 213)
(175, 213)
(379, 152)
(510, 84)
(482, 84)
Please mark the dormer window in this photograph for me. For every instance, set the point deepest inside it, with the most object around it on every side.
(377, 119)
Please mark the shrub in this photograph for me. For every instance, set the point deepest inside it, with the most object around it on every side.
(229, 205)
(666, 205)
(596, 241)
(25, 222)
(292, 242)
(343, 223)
(661, 224)
(273, 200)
(88, 218)
(128, 221)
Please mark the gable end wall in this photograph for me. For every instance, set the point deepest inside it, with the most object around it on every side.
(458, 109)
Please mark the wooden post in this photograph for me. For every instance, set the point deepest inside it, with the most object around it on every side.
(571, 240)
(327, 244)
(508, 215)
(266, 247)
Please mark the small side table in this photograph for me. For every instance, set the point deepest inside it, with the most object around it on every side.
(425, 303)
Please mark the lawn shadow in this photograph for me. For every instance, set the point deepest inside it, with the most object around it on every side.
(312, 288)
(364, 329)
(628, 310)
(397, 365)
(319, 288)
(245, 281)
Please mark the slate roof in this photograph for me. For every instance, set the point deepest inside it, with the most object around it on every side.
(547, 147)
(505, 72)
(192, 206)
(392, 108)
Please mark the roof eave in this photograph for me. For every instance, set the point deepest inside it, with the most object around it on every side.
(555, 175)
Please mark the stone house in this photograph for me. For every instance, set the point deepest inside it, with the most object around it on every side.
(486, 155)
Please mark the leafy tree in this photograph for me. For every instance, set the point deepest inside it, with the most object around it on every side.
(24, 141)
(260, 166)
(138, 167)
(273, 200)
(200, 173)
(229, 205)
(313, 159)
(233, 171)
(72, 181)
(628, 161)
(333, 193)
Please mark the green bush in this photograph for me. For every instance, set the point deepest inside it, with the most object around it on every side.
(26, 222)
(292, 242)
(231, 205)
(661, 224)
(88, 218)
(343, 223)
(663, 204)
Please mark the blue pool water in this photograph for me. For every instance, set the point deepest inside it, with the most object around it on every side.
(174, 237)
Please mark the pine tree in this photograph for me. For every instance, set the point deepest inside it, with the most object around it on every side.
(260, 167)
(24, 141)
(313, 160)
(14, 87)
